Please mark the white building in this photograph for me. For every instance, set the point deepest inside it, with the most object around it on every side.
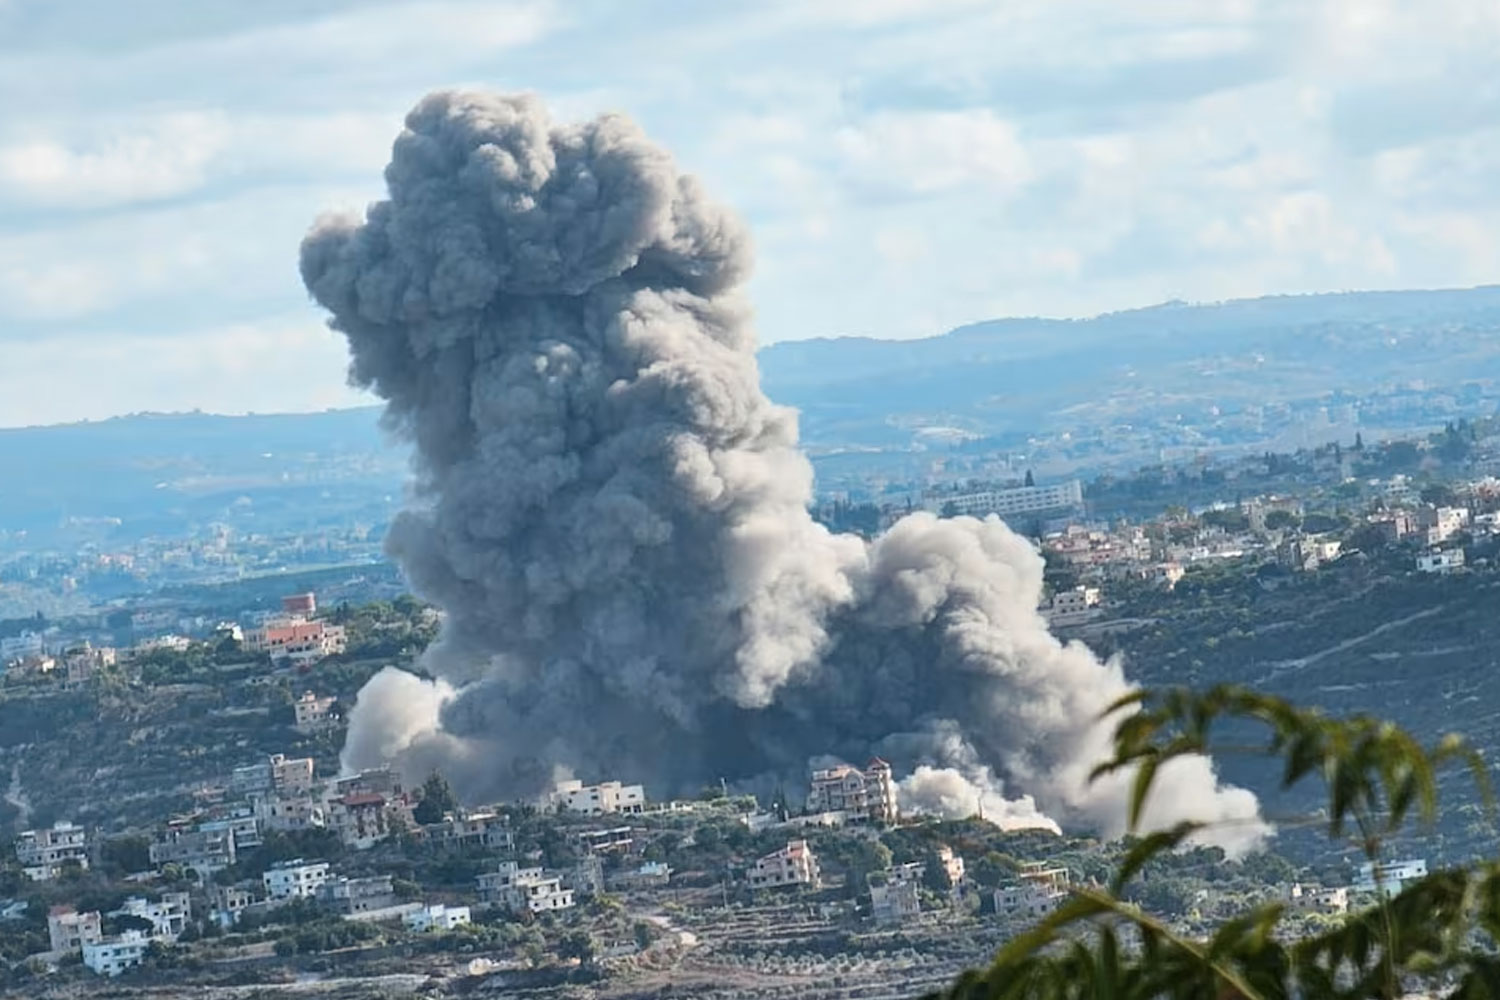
(436, 917)
(596, 800)
(296, 640)
(1440, 561)
(68, 930)
(1009, 502)
(20, 647)
(1438, 524)
(863, 795)
(794, 864)
(44, 853)
(295, 879)
(1317, 898)
(1390, 876)
(1038, 891)
(517, 888)
(112, 956)
(168, 917)
(203, 851)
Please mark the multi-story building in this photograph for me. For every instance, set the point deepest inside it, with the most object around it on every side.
(300, 605)
(436, 917)
(202, 851)
(952, 866)
(83, 662)
(362, 819)
(1008, 502)
(68, 930)
(516, 889)
(596, 800)
(794, 864)
(1440, 561)
(20, 647)
(112, 956)
(347, 896)
(1039, 890)
(894, 901)
(1323, 900)
(295, 879)
(291, 812)
(45, 853)
(1388, 877)
(168, 916)
(862, 795)
(484, 829)
(311, 712)
(277, 773)
(296, 641)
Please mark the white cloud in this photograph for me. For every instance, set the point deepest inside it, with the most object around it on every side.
(288, 362)
(931, 152)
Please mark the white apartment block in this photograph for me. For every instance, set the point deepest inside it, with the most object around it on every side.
(168, 917)
(44, 853)
(516, 889)
(295, 879)
(436, 917)
(596, 800)
(1010, 501)
(794, 864)
(1440, 561)
(862, 795)
(1388, 877)
(68, 930)
(112, 956)
(1039, 891)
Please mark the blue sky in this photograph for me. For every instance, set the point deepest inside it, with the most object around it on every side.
(905, 166)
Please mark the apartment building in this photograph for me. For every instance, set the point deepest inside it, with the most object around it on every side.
(68, 930)
(516, 889)
(794, 864)
(45, 853)
(295, 879)
(596, 800)
(868, 794)
(436, 917)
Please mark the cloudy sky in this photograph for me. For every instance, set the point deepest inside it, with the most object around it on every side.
(906, 165)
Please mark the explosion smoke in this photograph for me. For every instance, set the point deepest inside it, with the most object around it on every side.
(615, 517)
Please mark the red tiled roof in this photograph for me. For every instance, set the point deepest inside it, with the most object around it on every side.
(362, 799)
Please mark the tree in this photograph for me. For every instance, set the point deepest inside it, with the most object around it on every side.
(1436, 936)
(577, 944)
(1276, 520)
(437, 800)
(1030, 479)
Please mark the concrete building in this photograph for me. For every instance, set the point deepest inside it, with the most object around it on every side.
(1439, 524)
(286, 813)
(1008, 502)
(516, 889)
(83, 662)
(1319, 899)
(204, 852)
(862, 795)
(794, 864)
(295, 879)
(1388, 877)
(45, 853)
(112, 956)
(228, 902)
(276, 773)
(952, 866)
(310, 712)
(361, 820)
(20, 647)
(348, 896)
(894, 901)
(1038, 890)
(436, 917)
(596, 800)
(296, 641)
(483, 829)
(168, 916)
(68, 930)
(1440, 561)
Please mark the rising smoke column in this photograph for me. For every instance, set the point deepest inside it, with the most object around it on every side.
(614, 516)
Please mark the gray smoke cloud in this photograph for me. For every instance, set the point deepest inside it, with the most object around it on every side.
(614, 516)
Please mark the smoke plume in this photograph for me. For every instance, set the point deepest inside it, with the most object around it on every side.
(614, 516)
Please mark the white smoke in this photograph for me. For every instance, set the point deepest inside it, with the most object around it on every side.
(615, 516)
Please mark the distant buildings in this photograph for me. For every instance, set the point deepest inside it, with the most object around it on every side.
(299, 605)
(43, 854)
(168, 916)
(596, 800)
(112, 956)
(296, 641)
(869, 794)
(793, 865)
(1319, 899)
(350, 896)
(204, 852)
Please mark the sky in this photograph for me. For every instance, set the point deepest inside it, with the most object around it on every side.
(905, 166)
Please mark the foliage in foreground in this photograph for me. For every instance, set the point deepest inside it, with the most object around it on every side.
(1438, 936)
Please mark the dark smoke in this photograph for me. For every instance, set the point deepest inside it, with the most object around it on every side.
(615, 517)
